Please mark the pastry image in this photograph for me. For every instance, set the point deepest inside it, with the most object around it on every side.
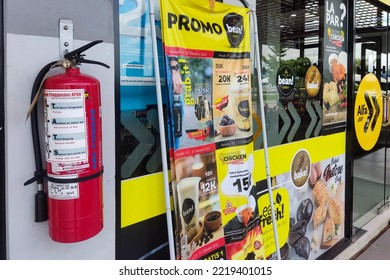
(339, 192)
(319, 216)
(328, 234)
(315, 242)
(335, 211)
(320, 193)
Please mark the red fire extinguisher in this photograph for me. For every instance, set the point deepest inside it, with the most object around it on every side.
(72, 198)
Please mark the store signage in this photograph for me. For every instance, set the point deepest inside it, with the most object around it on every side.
(285, 80)
(300, 169)
(335, 64)
(312, 81)
(368, 112)
(234, 28)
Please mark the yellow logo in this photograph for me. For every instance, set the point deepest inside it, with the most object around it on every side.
(368, 112)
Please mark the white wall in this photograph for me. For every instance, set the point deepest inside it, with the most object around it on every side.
(25, 55)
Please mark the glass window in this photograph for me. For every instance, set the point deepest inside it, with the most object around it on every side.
(289, 37)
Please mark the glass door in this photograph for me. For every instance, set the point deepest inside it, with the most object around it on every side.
(386, 78)
(371, 168)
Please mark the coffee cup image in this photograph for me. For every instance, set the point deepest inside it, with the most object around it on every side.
(199, 170)
(188, 200)
(213, 221)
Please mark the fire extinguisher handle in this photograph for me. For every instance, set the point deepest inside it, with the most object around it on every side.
(77, 57)
(76, 52)
(82, 60)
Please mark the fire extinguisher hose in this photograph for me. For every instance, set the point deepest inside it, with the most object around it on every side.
(40, 173)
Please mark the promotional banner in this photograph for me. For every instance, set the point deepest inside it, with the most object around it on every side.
(309, 201)
(335, 51)
(207, 51)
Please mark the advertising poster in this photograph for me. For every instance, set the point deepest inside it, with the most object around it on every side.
(335, 51)
(238, 193)
(282, 215)
(207, 50)
(309, 203)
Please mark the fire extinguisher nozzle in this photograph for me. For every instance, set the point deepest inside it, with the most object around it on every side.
(40, 207)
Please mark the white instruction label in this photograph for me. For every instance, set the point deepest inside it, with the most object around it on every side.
(63, 191)
(65, 124)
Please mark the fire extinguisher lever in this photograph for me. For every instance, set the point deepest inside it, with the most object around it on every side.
(76, 56)
(80, 60)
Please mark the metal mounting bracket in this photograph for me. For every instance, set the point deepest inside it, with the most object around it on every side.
(384, 207)
(66, 36)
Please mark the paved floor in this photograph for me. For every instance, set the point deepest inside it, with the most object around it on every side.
(373, 244)
(379, 249)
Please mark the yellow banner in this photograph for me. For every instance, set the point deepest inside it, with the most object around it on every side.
(222, 29)
(136, 192)
(142, 198)
(280, 156)
(282, 216)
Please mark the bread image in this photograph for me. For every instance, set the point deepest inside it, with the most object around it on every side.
(330, 93)
(339, 192)
(319, 216)
(328, 233)
(335, 211)
(320, 193)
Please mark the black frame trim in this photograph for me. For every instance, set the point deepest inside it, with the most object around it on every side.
(341, 245)
(3, 254)
(118, 179)
(350, 123)
(380, 5)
